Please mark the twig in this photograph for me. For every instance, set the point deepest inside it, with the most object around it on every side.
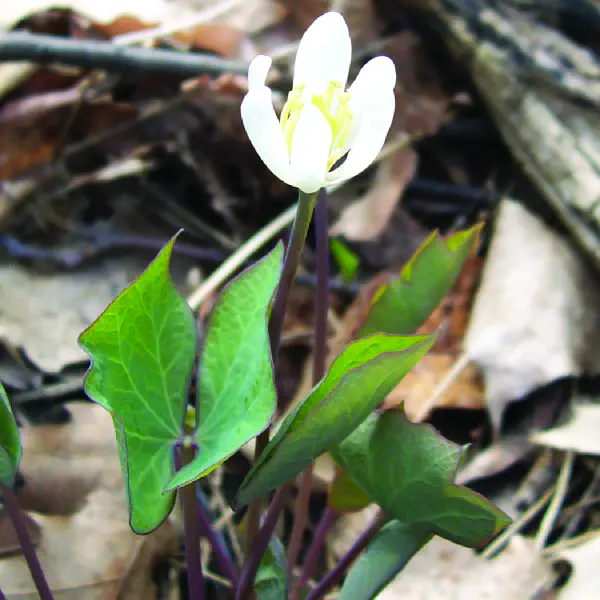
(92, 54)
(457, 368)
(319, 367)
(562, 486)
(33, 562)
(240, 256)
(517, 525)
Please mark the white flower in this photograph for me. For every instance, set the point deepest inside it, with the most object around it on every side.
(321, 122)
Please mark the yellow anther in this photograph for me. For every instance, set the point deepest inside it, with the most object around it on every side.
(332, 104)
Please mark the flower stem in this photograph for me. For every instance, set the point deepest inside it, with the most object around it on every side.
(260, 543)
(319, 364)
(337, 573)
(316, 547)
(293, 255)
(191, 528)
(18, 521)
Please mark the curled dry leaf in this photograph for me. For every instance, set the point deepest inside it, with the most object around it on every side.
(535, 317)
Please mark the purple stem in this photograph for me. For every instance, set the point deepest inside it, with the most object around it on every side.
(337, 573)
(18, 521)
(316, 546)
(291, 262)
(321, 225)
(218, 547)
(191, 528)
(2, 596)
(261, 542)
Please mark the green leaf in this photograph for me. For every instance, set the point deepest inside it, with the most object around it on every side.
(409, 469)
(236, 391)
(383, 559)
(271, 581)
(142, 349)
(346, 260)
(358, 381)
(345, 495)
(403, 304)
(10, 441)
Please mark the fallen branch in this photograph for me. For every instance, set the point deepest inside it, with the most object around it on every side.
(90, 54)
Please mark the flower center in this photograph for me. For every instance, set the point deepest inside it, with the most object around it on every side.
(333, 105)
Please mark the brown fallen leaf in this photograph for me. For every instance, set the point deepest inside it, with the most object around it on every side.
(421, 382)
(366, 218)
(45, 313)
(535, 318)
(92, 552)
(445, 571)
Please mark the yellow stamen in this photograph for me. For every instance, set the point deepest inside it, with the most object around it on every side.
(333, 104)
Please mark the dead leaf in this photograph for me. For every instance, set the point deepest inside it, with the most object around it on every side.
(581, 434)
(535, 317)
(422, 101)
(495, 459)
(45, 313)
(360, 18)
(445, 571)
(585, 559)
(366, 218)
(304, 13)
(91, 553)
(419, 384)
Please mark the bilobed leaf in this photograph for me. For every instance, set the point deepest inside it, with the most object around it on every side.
(345, 495)
(10, 441)
(403, 304)
(236, 391)
(357, 382)
(142, 350)
(383, 559)
(271, 581)
(409, 469)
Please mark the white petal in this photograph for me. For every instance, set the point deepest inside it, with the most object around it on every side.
(310, 149)
(264, 131)
(372, 83)
(258, 71)
(369, 140)
(324, 53)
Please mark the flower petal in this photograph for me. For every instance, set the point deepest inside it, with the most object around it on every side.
(264, 131)
(374, 128)
(310, 149)
(324, 53)
(258, 71)
(372, 84)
